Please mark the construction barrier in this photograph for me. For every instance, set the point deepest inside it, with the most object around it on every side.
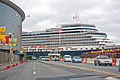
(13, 65)
(8, 67)
(82, 60)
(114, 61)
(17, 64)
(85, 60)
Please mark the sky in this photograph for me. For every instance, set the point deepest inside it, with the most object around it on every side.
(45, 14)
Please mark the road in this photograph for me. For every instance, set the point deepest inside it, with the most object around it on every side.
(50, 70)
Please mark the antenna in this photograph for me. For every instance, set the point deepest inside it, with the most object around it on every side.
(76, 17)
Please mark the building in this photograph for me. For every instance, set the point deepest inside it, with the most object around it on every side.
(11, 17)
(68, 38)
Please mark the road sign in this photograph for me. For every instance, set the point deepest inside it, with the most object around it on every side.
(14, 44)
(2, 32)
(10, 44)
(10, 40)
(22, 49)
(11, 49)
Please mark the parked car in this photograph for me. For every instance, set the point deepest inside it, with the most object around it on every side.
(45, 58)
(56, 59)
(102, 60)
(34, 58)
(67, 58)
(76, 59)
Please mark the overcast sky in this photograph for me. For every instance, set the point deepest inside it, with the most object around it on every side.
(105, 14)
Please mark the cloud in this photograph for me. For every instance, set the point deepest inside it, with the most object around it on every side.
(46, 13)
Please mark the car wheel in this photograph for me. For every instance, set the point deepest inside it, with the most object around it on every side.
(110, 64)
(99, 64)
(105, 64)
(95, 64)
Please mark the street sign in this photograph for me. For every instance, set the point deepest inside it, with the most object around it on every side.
(15, 40)
(10, 44)
(22, 49)
(2, 32)
(11, 49)
(10, 40)
(14, 44)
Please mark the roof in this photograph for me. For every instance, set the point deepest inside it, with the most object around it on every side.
(15, 7)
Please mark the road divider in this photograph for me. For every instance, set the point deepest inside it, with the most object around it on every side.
(13, 65)
(16, 64)
(8, 67)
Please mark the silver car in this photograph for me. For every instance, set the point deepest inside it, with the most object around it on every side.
(103, 60)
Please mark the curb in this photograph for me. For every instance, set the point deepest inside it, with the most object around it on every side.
(13, 65)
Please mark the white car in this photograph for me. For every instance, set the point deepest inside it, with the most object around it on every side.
(103, 60)
(67, 58)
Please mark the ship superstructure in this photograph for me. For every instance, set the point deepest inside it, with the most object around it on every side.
(67, 37)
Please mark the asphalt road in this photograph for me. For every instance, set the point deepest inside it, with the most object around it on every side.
(46, 70)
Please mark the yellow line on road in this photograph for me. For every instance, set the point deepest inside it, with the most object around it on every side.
(83, 68)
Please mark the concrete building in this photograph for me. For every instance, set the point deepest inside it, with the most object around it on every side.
(11, 17)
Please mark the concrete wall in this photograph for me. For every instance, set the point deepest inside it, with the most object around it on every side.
(4, 57)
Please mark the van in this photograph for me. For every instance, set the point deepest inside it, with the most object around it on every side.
(67, 58)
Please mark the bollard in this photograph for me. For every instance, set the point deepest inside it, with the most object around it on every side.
(114, 61)
(82, 60)
(17, 64)
(21, 62)
(13, 65)
(8, 67)
(85, 60)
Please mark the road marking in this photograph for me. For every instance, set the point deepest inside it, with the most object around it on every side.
(34, 67)
(111, 78)
(69, 66)
(34, 72)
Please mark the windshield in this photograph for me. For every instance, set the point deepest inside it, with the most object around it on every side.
(68, 56)
(76, 57)
(104, 57)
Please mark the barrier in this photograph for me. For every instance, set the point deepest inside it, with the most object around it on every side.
(17, 64)
(114, 61)
(8, 67)
(82, 60)
(85, 60)
(13, 65)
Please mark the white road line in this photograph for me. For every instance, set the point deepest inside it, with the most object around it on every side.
(111, 78)
(34, 67)
(34, 72)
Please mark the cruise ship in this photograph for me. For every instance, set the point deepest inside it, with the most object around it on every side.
(70, 39)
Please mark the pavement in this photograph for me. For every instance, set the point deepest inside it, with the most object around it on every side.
(49, 70)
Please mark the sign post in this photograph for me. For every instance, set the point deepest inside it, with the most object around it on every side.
(12, 42)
